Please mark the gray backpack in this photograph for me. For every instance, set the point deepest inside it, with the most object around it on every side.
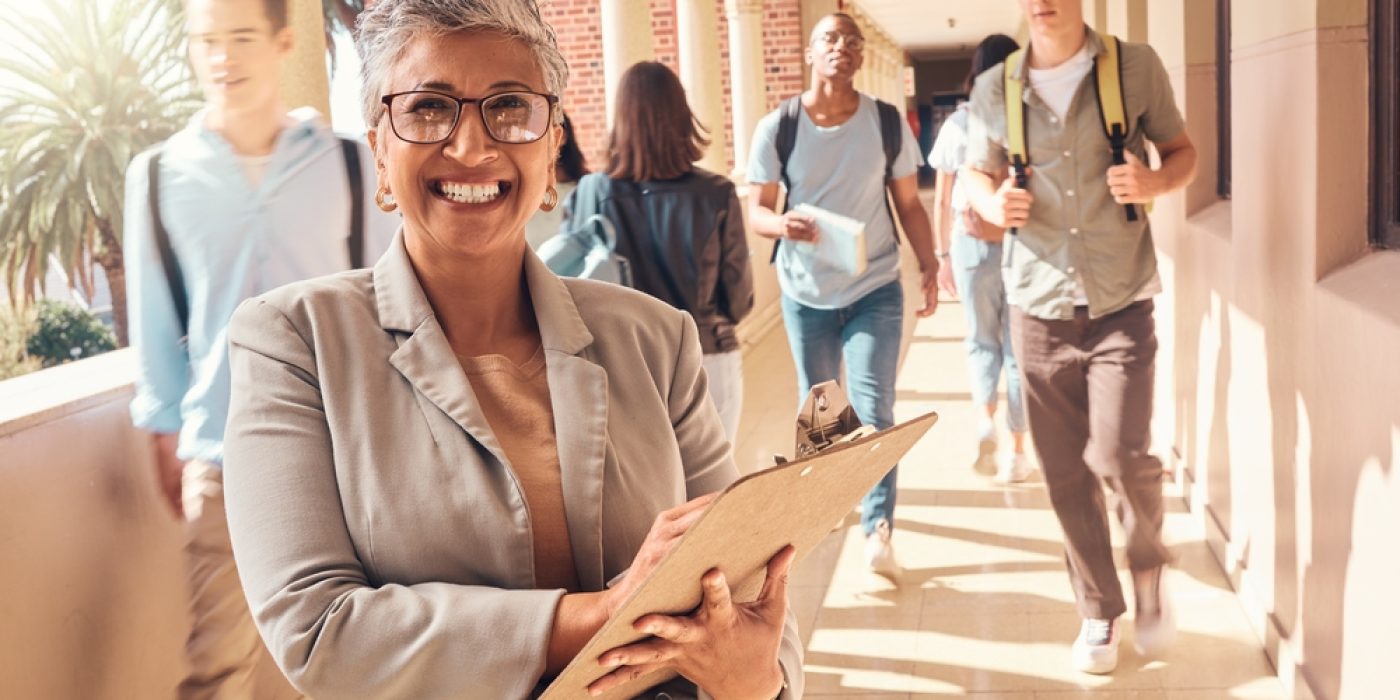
(588, 252)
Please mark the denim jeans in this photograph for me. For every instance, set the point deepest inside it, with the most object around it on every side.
(977, 271)
(866, 334)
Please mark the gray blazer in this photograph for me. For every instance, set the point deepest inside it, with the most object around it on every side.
(381, 536)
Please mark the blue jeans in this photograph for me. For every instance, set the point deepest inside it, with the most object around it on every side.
(977, 271)
(866, 334)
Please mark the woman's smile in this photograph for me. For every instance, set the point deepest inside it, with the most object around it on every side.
(473, 194)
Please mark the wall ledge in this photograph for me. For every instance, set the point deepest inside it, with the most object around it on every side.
(1371, 284)
(55, 393)
(1216, 219)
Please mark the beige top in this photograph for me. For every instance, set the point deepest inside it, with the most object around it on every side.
(1075, 230)
(382, 540)
(515, 399)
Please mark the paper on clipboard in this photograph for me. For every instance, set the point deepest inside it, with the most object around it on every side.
(792, 503)
(840, 240)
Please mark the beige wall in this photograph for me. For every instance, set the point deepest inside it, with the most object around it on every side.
(91, 600)
(1279, 392)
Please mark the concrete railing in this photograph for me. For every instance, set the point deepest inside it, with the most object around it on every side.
(92, 599)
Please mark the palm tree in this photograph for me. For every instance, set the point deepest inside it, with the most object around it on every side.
(82, 90)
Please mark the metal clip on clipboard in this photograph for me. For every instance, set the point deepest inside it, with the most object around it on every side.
(826, 419)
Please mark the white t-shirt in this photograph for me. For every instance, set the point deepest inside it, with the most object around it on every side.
(1056, 87)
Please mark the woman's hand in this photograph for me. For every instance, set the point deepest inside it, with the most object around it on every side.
(730, 650)
(666, 531)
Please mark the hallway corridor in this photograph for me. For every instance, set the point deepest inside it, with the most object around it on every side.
(984, 607)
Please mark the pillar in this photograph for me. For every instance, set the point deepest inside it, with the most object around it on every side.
(698, 46)
(304, 79)
(745, 75)
(626, 41)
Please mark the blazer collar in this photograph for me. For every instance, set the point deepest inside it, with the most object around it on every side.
(403, 307)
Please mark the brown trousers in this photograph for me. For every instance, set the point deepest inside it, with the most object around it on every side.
(1088, 385)
(227, 658)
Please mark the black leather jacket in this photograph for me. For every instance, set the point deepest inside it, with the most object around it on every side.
(685, 241)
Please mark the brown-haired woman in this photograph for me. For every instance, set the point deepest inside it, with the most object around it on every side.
(680, 226)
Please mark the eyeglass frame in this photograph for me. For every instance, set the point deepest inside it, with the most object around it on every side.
(841, 37)
(462, 102)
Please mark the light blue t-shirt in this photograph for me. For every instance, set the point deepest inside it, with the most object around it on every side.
(840, 169)
(234, 240)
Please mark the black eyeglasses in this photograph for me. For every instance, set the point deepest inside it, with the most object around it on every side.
(854, 42)
(427, 116)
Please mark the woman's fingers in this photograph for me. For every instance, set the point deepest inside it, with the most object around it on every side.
(717, 602)
(674, 629)
(621, 676)
(774, 583)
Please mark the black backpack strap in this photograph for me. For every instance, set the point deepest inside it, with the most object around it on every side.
(892, 137)
(356, 242)
(174, 278)
(788, 114)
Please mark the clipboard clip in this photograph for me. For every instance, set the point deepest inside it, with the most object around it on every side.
(826, 419)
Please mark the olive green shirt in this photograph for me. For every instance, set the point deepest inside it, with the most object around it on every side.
(1075, 227)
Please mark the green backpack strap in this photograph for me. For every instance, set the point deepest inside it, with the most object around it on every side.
(1015, 119)
(1108, 88)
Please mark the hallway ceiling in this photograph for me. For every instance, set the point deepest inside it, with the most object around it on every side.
(922, 28)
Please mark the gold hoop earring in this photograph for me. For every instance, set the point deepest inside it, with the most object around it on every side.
(551, 199)
(385, 200)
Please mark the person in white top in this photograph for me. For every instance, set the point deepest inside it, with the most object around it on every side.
(971, 250)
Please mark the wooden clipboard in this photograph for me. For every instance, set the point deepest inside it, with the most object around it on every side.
(793, 503)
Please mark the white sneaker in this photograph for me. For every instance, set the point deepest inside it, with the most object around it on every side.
(986, 463)
(1096, 648)
(879, 552)
(1154, 624)
(1014, 469)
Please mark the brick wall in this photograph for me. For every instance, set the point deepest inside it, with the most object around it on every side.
(578, 24)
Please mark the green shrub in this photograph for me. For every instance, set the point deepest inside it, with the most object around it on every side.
(64, 332)
(16, 324)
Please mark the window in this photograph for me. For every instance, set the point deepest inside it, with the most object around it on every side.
(1385, 115)
(1222, 98)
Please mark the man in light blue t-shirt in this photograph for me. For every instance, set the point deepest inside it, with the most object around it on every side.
(838, 164)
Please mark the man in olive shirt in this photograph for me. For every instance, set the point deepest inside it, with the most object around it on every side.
(1080, 278)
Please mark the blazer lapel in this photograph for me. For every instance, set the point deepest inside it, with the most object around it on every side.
(423, 356)
(578, 394)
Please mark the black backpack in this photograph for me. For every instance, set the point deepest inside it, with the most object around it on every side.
(175, 279)
(891, 135)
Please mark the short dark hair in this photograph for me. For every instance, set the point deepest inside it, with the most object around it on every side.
(834, 15)
(276, 11)
(993, 50)
(571, 162)
(654, 136)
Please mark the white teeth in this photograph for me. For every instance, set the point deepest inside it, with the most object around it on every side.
(470, 194)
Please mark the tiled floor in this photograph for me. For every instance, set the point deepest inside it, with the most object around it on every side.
(983, 607)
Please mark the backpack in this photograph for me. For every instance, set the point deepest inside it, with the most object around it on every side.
(175, 279)
(891, 136)
(1108, 90)
(587, 252)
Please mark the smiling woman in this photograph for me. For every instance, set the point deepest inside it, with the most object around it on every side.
(418, 455)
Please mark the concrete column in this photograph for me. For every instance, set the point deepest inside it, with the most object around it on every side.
(304, 79)
(745, 75)
(698, 46)
(626, 41)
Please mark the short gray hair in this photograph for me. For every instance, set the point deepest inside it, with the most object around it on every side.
(385, 29)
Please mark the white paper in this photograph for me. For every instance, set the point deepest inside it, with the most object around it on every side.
(840, 240)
